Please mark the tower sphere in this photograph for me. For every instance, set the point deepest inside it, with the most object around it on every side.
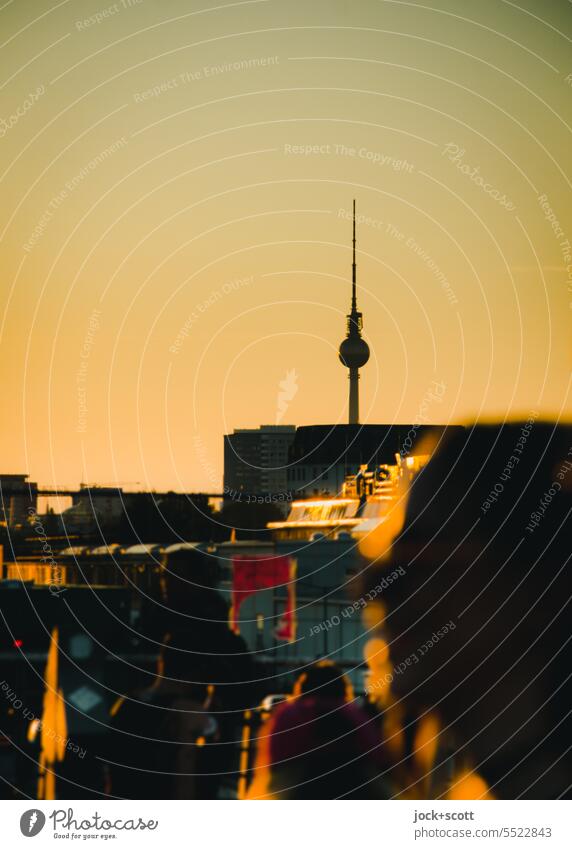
(354, 351)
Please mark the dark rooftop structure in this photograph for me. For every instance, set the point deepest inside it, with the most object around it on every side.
(321, 456)
(375, 443)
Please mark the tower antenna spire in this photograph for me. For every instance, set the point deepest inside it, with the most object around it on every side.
(354, 276)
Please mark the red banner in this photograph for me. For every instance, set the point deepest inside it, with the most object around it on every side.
(261, 572)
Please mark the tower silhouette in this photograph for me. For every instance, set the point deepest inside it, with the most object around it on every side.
(354, 351)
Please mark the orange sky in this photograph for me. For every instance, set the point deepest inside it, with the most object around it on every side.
(176, 181)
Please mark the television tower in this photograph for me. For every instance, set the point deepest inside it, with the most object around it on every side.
(354, 351)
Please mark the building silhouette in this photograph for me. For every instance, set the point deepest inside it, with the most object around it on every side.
(18, 496)
(256, 460)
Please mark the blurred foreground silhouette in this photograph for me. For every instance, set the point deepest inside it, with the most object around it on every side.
(485, 545)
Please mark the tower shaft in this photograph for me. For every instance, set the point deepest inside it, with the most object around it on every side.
(353, 405)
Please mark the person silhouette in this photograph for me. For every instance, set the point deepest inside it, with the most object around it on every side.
(319, 744)
(176, 738)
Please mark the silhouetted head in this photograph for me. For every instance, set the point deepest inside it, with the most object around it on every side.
(195, 615)
(324, 680)
(184, 573)
(322, 749)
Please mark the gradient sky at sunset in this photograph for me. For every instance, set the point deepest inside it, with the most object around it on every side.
(176, 184)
